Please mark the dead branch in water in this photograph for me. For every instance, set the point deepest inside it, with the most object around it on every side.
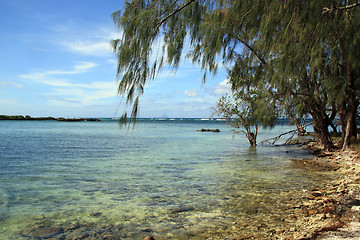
(275, 139)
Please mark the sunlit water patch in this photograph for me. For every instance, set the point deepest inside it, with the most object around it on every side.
(78, 180)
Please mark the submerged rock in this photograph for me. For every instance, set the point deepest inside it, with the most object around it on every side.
(182, 209)
(46, 232)
(208, 130)
(149, 238)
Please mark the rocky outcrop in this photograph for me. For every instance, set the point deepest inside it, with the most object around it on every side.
(78, 119)
(208, 130)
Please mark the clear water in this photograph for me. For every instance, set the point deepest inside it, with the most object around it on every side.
(162, 178)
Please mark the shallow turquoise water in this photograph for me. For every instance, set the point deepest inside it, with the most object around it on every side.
(162, 178)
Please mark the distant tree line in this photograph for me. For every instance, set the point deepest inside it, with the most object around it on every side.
(27, 117)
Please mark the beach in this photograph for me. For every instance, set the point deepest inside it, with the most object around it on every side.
(332, 212)
(328, 212)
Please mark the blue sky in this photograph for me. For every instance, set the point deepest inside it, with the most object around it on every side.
(56, 61)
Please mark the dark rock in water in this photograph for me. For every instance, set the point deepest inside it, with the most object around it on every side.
(46, 232)
(96, 214)
(149, 238)
(182, 209)
(77, 232)
(208, 130)
(78, 119)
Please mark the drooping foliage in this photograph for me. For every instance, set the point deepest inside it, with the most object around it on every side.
(291, 51)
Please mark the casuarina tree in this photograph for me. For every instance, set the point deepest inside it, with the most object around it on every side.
(304, 52)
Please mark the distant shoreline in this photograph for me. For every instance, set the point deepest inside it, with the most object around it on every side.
(61, 119)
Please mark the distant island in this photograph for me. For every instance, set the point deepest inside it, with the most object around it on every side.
(61, 119)
(164, 116)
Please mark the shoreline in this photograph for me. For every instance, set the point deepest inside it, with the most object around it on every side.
(328, 212)
(333, 210)
(309, 212)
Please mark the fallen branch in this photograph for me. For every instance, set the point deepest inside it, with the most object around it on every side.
(275, 139)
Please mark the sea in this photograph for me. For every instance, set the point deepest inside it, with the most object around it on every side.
(162, 177)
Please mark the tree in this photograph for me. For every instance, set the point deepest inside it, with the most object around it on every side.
(286, 49)
(239, 115)
(245, 112)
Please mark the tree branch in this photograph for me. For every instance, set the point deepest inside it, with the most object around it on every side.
(275, 139)
(262, 60)
(346, 7)
(172, 14)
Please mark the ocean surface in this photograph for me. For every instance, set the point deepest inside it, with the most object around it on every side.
(93, 180)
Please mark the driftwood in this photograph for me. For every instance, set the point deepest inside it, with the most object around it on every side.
(275, 139)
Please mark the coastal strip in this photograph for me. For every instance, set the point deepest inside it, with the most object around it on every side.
(327, 212)
(331, 211)
(61, 119)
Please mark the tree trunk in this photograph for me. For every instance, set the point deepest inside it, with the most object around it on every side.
(350, 104)
(251, 136)
(252, 139)
(348, 122)
(331, 118)
(321, 129)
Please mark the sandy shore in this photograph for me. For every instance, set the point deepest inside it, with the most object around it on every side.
(333, 211)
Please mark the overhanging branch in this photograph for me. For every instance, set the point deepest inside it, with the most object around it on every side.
(262, 60)
(346, 7)
(172, 14)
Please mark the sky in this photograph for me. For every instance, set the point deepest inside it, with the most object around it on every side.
(56, 61)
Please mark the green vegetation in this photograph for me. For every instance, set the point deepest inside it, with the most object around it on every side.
(244, 113)
(302, 56)
(27, 117)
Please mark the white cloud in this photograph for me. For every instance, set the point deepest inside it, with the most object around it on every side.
(91, 94)
(5, 84)
(191, 93)
(65, 91)
(81, 67)
(98, 49)
(90, 42)
(47, 77)
(222, 88)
